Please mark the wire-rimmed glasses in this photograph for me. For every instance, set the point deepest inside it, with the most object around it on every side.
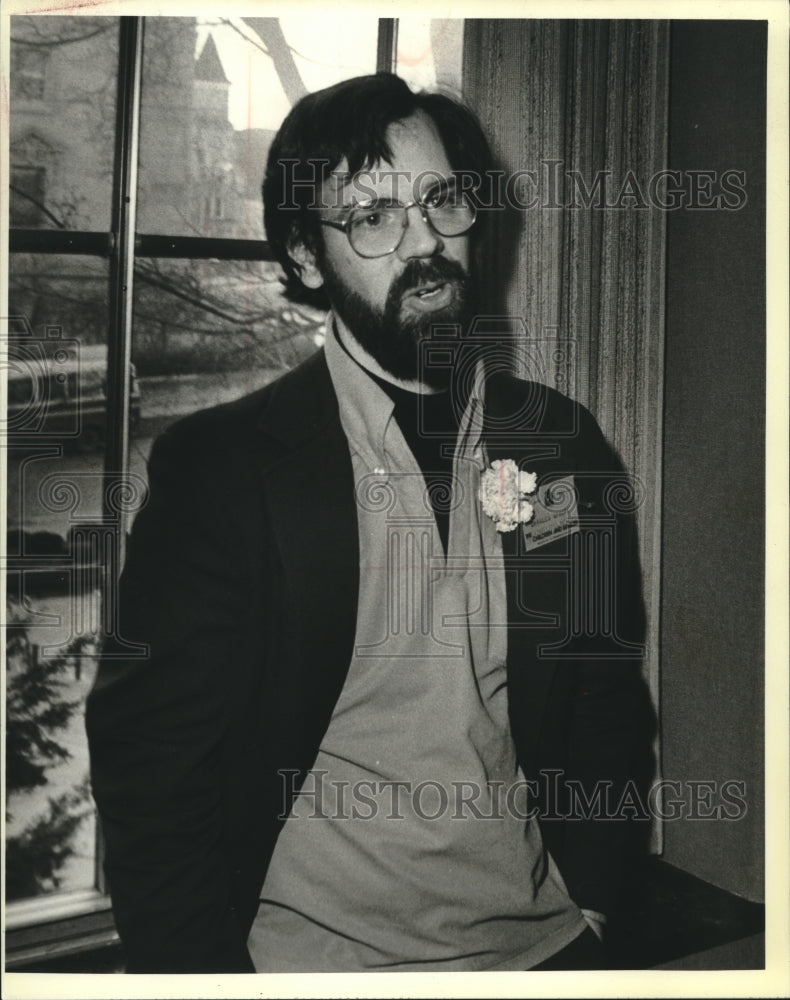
(376, 229)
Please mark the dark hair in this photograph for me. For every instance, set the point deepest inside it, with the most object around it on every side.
(350, 120)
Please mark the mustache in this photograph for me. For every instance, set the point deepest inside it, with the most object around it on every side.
(419, 272)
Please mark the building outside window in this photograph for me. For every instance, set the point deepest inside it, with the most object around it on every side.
(28, 71)
(26, 204)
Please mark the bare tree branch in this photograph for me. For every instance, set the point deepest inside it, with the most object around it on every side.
(151, 277)
(39, 205)
(50, 43)
(228, 23)
(269, 30)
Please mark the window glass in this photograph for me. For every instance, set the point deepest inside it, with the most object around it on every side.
(28, 197)
(28, 69)
(54, 426)
(50, 819)
(215, 91)
(206, 332)
(63, 82)
(63, 291)
(429, 53)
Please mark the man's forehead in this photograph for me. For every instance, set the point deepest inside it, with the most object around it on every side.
(384, 180)
(419, 162)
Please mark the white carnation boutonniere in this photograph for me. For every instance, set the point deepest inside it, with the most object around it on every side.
(503, 489)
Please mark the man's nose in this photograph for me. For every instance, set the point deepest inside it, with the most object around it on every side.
(420, 238)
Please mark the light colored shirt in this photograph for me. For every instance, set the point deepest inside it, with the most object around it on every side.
(407, 848)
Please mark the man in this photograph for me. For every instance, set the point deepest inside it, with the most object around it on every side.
(372, 684)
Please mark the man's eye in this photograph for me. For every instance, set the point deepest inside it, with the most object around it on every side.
(436, 198)
(442, 196)
(372, 218)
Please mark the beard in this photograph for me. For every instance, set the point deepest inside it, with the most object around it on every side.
(392, 336)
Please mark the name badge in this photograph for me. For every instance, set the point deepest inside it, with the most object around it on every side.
(556, 513)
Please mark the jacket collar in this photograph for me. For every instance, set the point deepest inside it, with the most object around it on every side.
(302, 403)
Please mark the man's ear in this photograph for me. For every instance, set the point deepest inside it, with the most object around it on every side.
(304, 258)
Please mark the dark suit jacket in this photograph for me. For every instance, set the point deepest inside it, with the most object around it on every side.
(234, 631)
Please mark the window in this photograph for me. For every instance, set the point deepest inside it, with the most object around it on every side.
(28, 69)
(429, 52)
(27, 189)
(208, 323)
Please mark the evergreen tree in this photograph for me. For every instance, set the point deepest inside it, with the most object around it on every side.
(37, 711)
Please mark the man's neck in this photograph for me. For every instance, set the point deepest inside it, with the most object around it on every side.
(352, 347)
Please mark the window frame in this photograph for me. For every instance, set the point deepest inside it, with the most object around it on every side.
(57, 925)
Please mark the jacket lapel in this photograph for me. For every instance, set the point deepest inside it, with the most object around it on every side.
(309, 498)
(516, 427)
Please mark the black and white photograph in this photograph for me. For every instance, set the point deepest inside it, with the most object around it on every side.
(394, 459)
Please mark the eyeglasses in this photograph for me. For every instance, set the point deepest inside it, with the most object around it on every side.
(377, 229)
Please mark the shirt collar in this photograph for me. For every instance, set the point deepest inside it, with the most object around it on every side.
(366, 410)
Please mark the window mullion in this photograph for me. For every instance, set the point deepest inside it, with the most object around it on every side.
(387, 45)
(60, 241)
(124, 207)
(121, 292)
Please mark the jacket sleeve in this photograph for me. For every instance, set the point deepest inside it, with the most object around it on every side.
(156, 723)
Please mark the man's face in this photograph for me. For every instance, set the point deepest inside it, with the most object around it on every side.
(389, 303)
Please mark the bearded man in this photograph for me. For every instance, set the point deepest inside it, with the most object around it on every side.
(376, 711)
